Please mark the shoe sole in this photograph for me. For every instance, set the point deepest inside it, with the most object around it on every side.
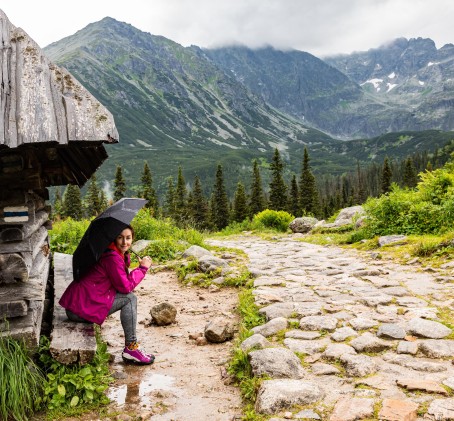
(135, 362)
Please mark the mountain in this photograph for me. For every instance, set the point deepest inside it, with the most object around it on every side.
(407, 85)
(185, 106)
(173, 105)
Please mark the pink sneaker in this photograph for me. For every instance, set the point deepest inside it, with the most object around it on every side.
(133, 354)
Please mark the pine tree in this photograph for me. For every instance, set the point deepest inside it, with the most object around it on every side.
(147, 190)
(120, 184)
(257, 200)
(92, 199)
(293, 201)
(220, 204)
(278, 189)
(169, 201)
(181, 193)
(72, 202)
(410, 178)
(103, 200)
(199, 206)
(361, 193)
(58, 204)
(386, 177)
(309, 200)
(240, 207)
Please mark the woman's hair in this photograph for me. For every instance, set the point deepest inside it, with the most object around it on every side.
(132, 230)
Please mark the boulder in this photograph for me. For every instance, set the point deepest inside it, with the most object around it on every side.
(219, 330)
(302, 225)
(197, 252)
(163, 314)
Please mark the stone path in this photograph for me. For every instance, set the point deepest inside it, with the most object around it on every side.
(363, 338)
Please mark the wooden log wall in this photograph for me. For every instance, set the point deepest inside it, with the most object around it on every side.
(24, 263)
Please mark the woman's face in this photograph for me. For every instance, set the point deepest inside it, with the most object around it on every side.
(124, 240)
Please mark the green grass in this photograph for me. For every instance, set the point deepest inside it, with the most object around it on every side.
(21, 381)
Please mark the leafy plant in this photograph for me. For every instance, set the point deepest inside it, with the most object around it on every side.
(70, 386)
(21, 381)
(278, 220)
(66, 234)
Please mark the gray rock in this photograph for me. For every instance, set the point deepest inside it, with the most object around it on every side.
(449, 382)
(263, 281)
(275, 310)
(307, 414)
(343, 333)
(414, 363)
(368, 342)
(219, 330)
(390, 239)
(347, 215)
(362, 323)
(302, 225)
(350, 409)
(427, 328)
(434, 348)
(272, 327)
(301, 334)
(395, 291)
(197, 252)
(336, 351)
(442, 409)
(405, 347)
(163, 314)
(305, 347)
(276, 395)
(140, 245)
(211, 263)
(358, 365)
(255, 341)
(321, 369)
(277, 363)
(318, 323)
(391, 331)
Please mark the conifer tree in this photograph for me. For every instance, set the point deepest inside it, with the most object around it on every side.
(92, 198)
(103, 200)
(361, 193)
(169, 201)
(58, 204)
(147, 190)
(181, 198)
(240, 207)
(72, 202)
(309, 199)
(119, 184)
(293, 200)
(257, 199)
(410, 178)
(220, 203)
(199, 206)
(386, 177)
(278, 189)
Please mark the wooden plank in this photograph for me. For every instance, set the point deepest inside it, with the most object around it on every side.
(16, 308)
(10, 233)
(70, 342)
(13, 269)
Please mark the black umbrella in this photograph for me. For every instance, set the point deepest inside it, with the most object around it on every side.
(102, 231)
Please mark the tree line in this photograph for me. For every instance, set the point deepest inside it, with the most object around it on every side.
(303, 195)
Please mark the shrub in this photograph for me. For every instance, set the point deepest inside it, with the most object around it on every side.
(277, 220)
(66, 235)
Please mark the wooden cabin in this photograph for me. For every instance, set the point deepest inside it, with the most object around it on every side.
(52, 132)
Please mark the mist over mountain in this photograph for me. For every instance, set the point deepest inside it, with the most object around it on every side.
(186, 106)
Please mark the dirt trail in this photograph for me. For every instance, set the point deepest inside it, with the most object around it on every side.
(186, 382)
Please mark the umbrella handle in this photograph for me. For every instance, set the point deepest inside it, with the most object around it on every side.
(133, 252)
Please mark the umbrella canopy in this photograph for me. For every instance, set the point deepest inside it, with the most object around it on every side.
(102, 231)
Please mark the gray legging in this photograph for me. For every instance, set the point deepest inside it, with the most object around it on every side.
(127, 304)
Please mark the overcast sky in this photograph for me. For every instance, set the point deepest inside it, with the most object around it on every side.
(321, 27)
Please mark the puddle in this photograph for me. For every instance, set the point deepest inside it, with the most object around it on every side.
(139, 392)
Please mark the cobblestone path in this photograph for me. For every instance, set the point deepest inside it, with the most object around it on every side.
(364, 338)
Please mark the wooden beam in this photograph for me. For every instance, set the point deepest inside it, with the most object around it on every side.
(11, 309)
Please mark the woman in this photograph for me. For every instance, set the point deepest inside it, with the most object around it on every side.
(106, 288)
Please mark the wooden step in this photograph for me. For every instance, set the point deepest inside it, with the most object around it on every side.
(70, 342)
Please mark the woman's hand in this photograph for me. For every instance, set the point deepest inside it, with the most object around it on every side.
(145, 261)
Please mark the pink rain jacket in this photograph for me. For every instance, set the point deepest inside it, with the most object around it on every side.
(93, 295)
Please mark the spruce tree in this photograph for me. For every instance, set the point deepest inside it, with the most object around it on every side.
(119, 184)
(103, 200)
(72, 202)
(309, 199)
(240, 207)
(293, 200)
(278, 189)
(199, 206)
(147, 190)
(92, 198)
(410, 178)
(169, 201)
(361, 192)
(181, 211)
(386, 177)
(220, 203)
(257, 199)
